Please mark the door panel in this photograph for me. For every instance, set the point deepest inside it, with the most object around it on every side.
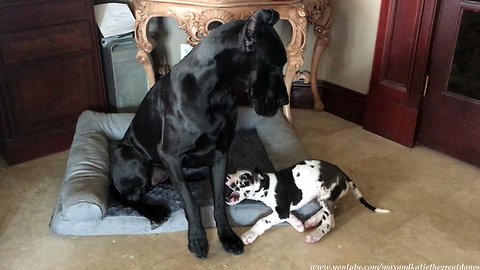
(399, 69)
(464, 79)
(451, 114)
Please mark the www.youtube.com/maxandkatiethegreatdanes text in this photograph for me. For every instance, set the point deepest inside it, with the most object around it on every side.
(396, 267)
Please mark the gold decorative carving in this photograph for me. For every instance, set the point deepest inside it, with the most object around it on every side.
(142, 18)
(245, 15)
(209, 16)
(295, 49)
(196, 24)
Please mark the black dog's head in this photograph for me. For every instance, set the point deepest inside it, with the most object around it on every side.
(246, 55)
(267, 92)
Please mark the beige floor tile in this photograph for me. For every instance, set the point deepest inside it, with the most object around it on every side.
(443, 240)
(349, 146)
(350, 242)
(318, 124)
(466, 200)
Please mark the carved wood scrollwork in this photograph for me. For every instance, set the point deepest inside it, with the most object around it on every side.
(319, 14)
(141, 13)
(299, 36)
(197, 25)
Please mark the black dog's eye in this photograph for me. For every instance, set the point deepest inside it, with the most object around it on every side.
(244, 177)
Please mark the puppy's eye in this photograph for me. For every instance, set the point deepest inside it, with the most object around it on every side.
(244, 177)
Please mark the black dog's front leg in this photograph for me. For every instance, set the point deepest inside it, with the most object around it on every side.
(197, 238)
(230, 241)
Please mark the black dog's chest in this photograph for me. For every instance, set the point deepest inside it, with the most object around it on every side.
(209, 146)
(206, 150)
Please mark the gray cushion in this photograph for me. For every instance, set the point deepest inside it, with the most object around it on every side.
(83, 205)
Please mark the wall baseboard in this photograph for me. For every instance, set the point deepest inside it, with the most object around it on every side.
(338, 100)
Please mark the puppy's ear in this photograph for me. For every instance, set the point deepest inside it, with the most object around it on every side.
(259, 175)
(256, 23)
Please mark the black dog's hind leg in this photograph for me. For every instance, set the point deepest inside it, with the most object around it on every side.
(131, 173)
(230, 241)
(197, 238)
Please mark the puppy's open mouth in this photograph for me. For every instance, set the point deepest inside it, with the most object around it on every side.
(233, 198)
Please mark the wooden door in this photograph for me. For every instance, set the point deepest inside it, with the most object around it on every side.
(399, 69)
(450, 120)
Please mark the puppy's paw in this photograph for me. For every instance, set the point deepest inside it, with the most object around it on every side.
(298, 225)
(311, 222)
(231, 243)
(198, 245)
(249, 237)
(314, 237)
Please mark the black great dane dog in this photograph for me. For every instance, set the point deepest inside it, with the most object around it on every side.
(187, 120)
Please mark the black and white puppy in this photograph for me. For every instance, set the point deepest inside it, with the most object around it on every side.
(291, 189)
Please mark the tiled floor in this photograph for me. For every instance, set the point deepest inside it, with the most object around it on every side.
(435, 203)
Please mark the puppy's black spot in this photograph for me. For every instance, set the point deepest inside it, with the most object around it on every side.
(326, 214)
(286, 192)
(302, 163)
(329, 174)
(312, 166)
(298, 174)
(328, 226)
(323, 231)
(267, 221)
(324, 218)
(337, 190)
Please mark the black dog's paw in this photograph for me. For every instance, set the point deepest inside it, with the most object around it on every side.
(198, 246)
(157, 214)
(232, 243)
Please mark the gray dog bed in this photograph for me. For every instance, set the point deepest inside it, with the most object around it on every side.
(84, 206)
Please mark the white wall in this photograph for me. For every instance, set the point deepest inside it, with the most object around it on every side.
(349, 58)
(346, 62)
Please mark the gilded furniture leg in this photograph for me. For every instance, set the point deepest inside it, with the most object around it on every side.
(294, 50)
(319, 13)
(320, 44)
(144, 45)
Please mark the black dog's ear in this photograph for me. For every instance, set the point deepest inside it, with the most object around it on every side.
(257, 22)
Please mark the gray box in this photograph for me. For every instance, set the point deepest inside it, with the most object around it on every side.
(126, 79)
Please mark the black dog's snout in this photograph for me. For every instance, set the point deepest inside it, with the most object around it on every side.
(228, 191)
(282, 101)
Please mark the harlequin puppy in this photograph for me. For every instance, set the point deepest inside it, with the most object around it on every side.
(291, 189)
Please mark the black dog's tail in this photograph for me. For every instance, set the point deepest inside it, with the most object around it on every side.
(157, 214)
(360, 198)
